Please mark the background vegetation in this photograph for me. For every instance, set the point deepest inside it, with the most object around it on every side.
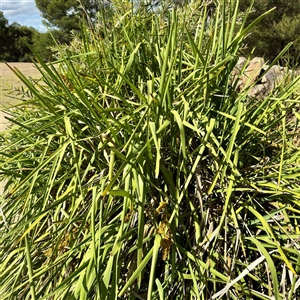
(15, 39)
(269, 37)
(280, 27)
(67, 15)
(135, 170)
(12, 48)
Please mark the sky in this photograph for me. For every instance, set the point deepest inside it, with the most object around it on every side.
(23, 12)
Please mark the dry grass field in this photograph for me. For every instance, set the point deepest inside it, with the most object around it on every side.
(8, 82)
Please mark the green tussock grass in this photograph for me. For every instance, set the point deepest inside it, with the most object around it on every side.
(136, 171)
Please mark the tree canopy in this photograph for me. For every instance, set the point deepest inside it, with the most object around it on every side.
(3, 33)
(66, 15)
(13, 47)
(16, 38)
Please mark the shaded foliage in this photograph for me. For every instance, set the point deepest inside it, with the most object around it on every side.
(280, 27)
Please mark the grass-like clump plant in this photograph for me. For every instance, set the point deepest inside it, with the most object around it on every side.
(135, 170)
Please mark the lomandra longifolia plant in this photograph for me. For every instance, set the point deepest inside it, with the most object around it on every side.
(136, 170)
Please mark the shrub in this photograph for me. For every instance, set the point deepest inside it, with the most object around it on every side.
(135, 170)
